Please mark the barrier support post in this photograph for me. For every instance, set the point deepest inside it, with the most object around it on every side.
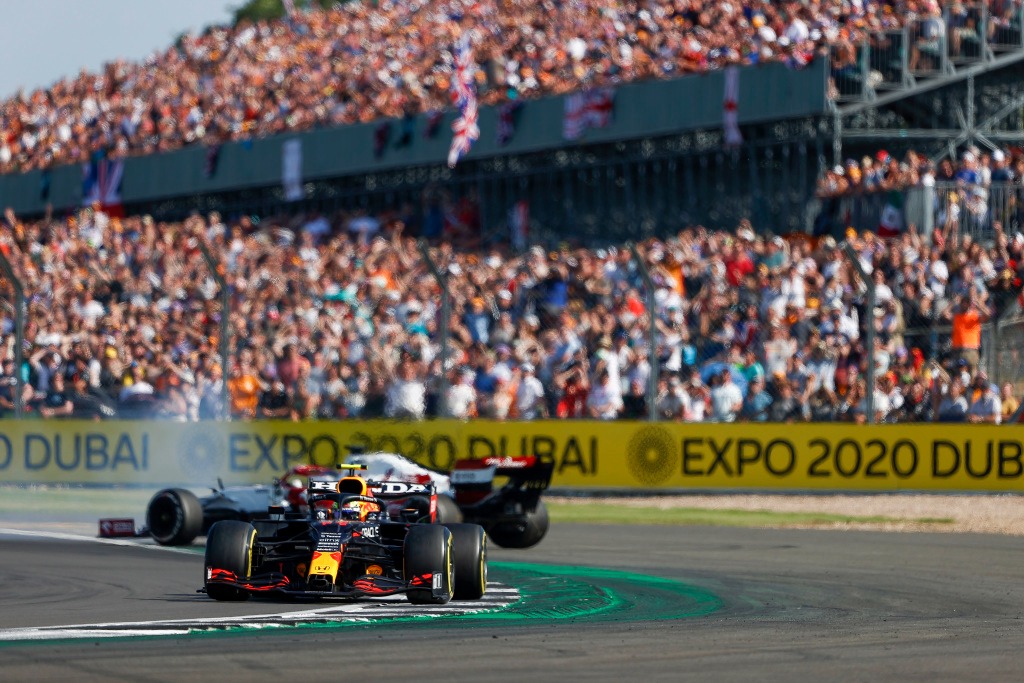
(442, 282)
(225, 310)
(652, 346)
(869, 343)
(19, 334)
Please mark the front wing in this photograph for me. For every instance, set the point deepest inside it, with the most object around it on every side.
(366, 586)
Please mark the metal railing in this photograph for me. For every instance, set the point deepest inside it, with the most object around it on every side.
(956, 209)
(927, 47)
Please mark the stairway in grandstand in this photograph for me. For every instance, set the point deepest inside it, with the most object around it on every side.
(888, 66)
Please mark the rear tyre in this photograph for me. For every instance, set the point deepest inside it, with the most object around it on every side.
(469, 554)
(447, 511)
(428, 551)
(229, 546)
(523, 534)
(174, 517)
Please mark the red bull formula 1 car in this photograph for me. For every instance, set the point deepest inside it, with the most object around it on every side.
(353, 541)
(501, 494)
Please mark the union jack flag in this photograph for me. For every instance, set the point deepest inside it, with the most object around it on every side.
(463, 73)
(466, 129)
(101, 181)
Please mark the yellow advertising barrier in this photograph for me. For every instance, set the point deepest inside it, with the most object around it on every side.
(587, 454)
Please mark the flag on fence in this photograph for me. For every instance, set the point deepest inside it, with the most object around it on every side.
(730, 108)
(588, 109)
(291, 169)
(101, 182)
(891, 222)
(507, 121)
(519, 224)
(434, 118)
(466, 129)
(212, 160)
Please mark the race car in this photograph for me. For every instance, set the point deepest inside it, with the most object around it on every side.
(348, 544)
(512, 513)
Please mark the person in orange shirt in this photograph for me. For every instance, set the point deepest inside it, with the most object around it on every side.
(967, 316)
(244, 387)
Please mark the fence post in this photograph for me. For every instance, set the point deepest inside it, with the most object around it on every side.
(869, 343)
(19, 334)
(442, 281)
(652, 345)
(225, 310)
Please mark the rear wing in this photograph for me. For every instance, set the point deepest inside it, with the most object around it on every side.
(385, 490)
(524, 472)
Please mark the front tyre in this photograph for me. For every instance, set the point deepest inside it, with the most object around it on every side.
(469, 554)
(174, 517)
(428, 564)
(229, 547)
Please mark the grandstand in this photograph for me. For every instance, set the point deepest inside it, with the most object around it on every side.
(290, 207)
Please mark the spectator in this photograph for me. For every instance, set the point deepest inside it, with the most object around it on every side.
(56, 402)
(530, 395)
(462, 397)
(726, 398)
(244, 387)
(700, 400)
(757, 402)
(604, 402)
(953, 406)
(574, 388)
(985, 406)
(634, 403)
(406, 397)
(785, 407)
(822, 405)
(1009, 403)
(274, 403)
(672, 402)
(967, 315)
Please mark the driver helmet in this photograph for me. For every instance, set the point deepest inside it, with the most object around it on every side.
(353, 510)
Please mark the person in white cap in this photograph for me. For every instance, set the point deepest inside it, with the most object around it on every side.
(530, 395)
(462, 397)
(1001, 171)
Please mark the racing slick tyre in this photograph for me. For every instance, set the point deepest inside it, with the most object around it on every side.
(428, 552)
(469, 554)
(229, 547)
(522, 534)
(174, 517)
(447, 510)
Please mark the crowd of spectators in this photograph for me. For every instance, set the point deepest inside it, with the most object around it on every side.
(329, 319)
(364, 60)
(975, 171)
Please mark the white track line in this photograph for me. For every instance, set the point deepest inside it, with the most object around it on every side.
(61, 536)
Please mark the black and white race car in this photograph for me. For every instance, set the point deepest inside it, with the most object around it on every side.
(501, 494)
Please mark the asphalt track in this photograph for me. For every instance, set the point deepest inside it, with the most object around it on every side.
(724, 604)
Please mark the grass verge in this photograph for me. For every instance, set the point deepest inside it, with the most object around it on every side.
(609, 513)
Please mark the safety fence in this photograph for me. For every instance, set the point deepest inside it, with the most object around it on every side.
(958, 210)
(586, 454)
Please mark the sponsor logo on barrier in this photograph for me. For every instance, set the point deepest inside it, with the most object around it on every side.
(74, 452)
(652, 455)
(585, 453)
(201, 452)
